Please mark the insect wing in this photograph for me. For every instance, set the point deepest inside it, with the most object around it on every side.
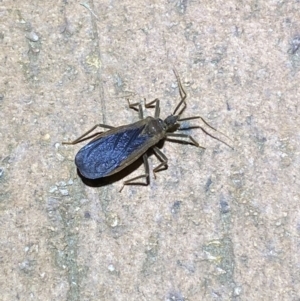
(101, 157)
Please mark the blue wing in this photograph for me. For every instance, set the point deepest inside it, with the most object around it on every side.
(100, 157)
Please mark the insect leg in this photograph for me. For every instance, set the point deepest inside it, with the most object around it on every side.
(192, 140)
(139, 109)
(162, 157)
(146, 175)
(157, 107)
(85, 137)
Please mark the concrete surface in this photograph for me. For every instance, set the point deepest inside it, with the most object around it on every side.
(219, 224)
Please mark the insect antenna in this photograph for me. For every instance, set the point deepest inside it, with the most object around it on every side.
(205, 131)
(182, 95)
(182, 102)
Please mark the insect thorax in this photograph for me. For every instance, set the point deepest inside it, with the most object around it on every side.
(154, 127)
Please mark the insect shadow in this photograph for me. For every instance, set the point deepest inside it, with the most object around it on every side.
(112, 154)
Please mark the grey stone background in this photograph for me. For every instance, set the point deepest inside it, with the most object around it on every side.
(219, 224)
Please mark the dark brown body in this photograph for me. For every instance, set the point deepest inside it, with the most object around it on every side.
(111, 151)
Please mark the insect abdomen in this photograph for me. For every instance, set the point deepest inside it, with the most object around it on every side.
(101, 157)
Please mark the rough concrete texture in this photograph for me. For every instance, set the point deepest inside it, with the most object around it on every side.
(219, 224)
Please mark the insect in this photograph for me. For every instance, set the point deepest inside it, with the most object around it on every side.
(111, 151)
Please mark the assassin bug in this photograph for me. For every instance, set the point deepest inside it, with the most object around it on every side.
(111, 151)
